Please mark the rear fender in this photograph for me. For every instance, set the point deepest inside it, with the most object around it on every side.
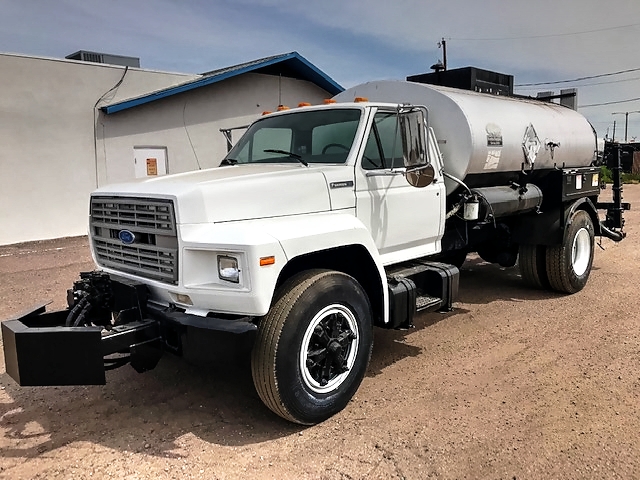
(587, 205)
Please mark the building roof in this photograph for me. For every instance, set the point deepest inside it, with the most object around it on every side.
(291, 65)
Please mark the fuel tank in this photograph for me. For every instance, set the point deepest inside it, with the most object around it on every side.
(482, 136)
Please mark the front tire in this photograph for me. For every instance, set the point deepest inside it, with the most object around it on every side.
(569, 264)
(313, 347)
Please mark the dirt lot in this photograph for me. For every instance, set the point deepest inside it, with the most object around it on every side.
(514, 383)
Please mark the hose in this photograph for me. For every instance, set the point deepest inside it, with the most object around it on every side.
(113, 363)
(76, 310)
(458, 181)
(611, 234)
(454, 210)
(83, 313)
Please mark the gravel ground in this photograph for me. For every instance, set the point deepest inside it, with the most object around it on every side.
(514, 383)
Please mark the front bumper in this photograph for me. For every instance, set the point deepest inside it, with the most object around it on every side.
(40, 350)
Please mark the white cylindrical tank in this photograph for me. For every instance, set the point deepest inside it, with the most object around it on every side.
(480, 134)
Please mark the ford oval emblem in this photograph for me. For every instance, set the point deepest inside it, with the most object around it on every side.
(126, 237)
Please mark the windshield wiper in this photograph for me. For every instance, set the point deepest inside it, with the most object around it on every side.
(229, 161)
(291, 154)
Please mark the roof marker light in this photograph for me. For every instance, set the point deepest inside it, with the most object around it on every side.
(266, 112)
(282, 107)
(304, 104)
(329, 101)
(360, 99)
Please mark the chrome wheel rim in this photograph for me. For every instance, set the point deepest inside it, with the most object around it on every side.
(329, 348)
(581, 251)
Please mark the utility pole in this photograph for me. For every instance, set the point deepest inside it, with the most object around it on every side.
(626, 121)
(614, 131)
(443, 44)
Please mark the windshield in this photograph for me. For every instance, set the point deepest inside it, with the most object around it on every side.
(316, 136)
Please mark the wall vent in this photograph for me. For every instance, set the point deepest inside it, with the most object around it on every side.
(96, 57)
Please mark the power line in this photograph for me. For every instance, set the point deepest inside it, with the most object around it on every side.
(596, 83)
(547, 35)
(609, 122)
(610, 103)
(579, 78)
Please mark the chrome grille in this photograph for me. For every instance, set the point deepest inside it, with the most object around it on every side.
(154, 251)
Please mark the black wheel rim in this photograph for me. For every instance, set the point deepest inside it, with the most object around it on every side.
(329, 348)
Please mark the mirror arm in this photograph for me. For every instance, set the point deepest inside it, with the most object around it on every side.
(396, 171)
(416, 168)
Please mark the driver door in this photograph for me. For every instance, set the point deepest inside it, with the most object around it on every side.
(405, 222)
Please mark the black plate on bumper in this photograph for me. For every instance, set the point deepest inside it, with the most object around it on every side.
(46, 355)
(39, 352)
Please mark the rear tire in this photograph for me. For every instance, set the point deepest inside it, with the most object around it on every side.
(313, 347)
(569, 264)
(533, 265)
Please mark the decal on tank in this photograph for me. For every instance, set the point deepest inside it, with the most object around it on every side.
(493, 159)
(531, 144)
(494, 135)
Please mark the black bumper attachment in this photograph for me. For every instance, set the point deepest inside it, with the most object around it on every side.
(40, 349)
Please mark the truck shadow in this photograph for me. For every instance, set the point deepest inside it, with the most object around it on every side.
(158, 412)
(482, 282)
(390, 346)
(153, 413)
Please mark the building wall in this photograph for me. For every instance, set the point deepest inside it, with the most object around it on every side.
(57, 146)
(189, 124)
(47, 154)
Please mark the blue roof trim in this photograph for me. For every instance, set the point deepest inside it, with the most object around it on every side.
(305, 69)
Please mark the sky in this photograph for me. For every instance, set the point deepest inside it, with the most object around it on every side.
(355, 41)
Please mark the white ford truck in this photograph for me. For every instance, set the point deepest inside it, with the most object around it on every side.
(321, 223)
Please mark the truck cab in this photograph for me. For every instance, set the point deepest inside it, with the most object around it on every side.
(301, 186)
(359, 149)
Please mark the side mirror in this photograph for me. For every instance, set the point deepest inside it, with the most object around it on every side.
(419, 172)
(420, 176)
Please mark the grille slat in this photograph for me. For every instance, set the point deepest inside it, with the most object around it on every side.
(152, 221)
(135, 256)
(151, 214)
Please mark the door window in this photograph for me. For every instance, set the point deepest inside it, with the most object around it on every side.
(384, 145)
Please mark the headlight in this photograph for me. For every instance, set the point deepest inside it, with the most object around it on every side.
(228, 269)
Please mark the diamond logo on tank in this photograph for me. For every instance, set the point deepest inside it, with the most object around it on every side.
(127, 237)
(531, 144)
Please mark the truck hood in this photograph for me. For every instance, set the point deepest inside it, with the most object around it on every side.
(238, 192)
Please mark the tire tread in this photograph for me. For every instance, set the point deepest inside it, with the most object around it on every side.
(263, 358)
(558, 278)
(558, 261)
(529, 265)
